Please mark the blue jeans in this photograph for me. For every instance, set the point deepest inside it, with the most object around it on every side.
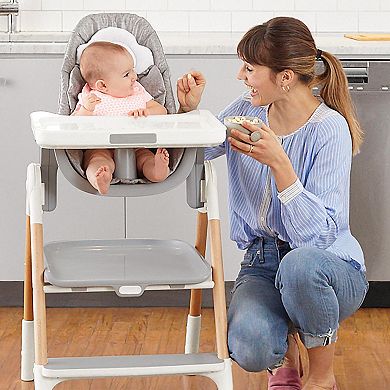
(310, 291)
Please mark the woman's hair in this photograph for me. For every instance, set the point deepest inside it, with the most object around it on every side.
(286, 43)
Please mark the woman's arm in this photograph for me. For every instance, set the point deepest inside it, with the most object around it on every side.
(314, 208)
(190, 88)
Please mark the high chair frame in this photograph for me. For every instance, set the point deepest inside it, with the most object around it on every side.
(48, 372)
(41, 195)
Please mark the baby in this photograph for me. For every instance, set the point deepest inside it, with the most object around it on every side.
(112, 90)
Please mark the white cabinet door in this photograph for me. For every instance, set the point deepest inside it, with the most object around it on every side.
(32, 84)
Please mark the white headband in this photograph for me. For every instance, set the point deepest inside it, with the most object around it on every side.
(142, 56)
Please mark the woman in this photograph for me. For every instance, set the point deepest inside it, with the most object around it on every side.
(303, 272)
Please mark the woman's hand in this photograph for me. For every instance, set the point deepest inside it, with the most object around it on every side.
(267, 150)
(190, 88)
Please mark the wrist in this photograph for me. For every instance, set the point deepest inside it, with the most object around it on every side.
(283, 173)
(183, 109)
(87, 109)
(280, 163)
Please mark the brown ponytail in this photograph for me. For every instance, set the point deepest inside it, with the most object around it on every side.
(335, 94)
(286, 43)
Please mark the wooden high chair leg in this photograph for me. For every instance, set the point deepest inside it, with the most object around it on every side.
(219, 289)
(194, 316)
(40, 338)
(34, 202)
(27, 353)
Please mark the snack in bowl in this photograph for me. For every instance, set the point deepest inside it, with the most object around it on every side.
(235, 122)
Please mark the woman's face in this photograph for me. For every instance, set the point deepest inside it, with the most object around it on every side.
(262, 83)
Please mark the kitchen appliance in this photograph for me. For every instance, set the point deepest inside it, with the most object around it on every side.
(369, 84)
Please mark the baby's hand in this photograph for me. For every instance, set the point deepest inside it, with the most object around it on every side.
(90, 101)
(139, 112)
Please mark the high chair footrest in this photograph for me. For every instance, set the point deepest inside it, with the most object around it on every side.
(110, 366)
(124, 262)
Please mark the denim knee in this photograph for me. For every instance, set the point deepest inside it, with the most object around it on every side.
(254, 352)
(300, 267)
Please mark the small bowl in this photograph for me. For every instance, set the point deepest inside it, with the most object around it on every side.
(234, 122)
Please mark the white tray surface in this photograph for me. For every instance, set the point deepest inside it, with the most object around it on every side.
(194, 129)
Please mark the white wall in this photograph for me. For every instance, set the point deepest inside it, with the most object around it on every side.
(211, 15)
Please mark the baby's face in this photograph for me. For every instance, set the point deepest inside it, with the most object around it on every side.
(121, 76)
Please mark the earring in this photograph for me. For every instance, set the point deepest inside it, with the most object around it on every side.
(286, 88)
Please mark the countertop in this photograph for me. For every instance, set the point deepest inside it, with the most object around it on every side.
(54, 43)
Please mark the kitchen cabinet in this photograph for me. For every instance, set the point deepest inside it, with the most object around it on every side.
(31, 83)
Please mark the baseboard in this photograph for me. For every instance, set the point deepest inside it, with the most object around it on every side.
(11, 295)
(378, 295)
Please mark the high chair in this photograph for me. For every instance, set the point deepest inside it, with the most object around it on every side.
(124, 265)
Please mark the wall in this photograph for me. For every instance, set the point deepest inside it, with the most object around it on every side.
(210, 15)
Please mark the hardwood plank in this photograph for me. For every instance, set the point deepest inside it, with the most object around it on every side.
(362, 359)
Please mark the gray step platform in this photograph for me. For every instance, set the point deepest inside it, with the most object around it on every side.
(106, 366)
(124, 262)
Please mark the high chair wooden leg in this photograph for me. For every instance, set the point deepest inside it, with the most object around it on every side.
(34, 202)
(219, 289)
(194, 316)
(40, 338)
(27, 353)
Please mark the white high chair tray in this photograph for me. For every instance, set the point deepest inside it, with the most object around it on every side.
(193, 129)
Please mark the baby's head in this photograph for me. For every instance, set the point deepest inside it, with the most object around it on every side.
(108, 68)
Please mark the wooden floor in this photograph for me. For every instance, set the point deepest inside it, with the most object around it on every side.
(362, 355)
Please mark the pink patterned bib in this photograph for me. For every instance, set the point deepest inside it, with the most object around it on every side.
(114, 106)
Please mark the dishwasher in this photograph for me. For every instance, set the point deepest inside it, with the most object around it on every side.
(369, 84)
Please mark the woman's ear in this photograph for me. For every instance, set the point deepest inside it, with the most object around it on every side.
(287, 77)
(100, 86)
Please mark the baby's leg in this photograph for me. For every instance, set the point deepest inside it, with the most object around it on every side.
(99, 166)
(153, 166)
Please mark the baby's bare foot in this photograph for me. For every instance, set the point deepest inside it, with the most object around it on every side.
(103, 179)
(161, 161)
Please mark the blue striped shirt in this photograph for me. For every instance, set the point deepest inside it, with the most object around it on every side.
(312, 212)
